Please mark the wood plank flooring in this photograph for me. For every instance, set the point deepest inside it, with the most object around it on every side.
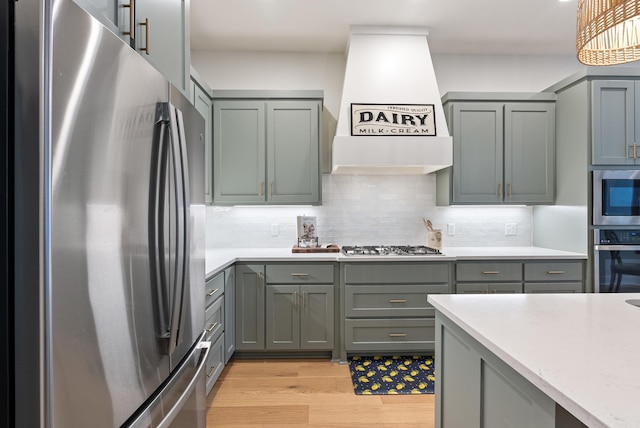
(306, 393)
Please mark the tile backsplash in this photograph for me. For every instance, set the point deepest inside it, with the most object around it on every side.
(365, 210)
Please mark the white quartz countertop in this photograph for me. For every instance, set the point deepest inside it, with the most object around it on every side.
(218, 259)
(582, 350)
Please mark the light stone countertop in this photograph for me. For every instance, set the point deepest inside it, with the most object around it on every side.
(218, 259)
(582, 350)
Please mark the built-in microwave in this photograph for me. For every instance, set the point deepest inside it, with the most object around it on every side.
(616, 197)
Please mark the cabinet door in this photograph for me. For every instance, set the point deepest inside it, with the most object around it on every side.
(250, 307)
(529, 152)
(229, 313)
(478, 152)
(283, 317)
(162, 38)
(204, 105)
(613, 117)
(316, 317)
(238, 151)
(293, 156)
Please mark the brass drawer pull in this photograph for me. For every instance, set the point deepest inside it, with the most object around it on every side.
(397, 334)
(212, 292)
(210, 329)
(299, 274)
(212, 371)
(491, 272)
(397, 301)
(555, 272)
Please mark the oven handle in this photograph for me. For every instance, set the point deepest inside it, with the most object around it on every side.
(617, 247)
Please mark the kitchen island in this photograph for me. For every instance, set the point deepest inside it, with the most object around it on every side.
(537, 360)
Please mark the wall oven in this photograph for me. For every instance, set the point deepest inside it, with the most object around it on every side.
(616, 261)
(616, 197)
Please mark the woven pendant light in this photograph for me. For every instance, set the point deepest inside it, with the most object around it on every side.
(608, 31)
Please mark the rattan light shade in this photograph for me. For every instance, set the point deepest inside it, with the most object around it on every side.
(608, 31)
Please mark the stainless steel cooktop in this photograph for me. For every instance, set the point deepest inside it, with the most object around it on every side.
(389, 250)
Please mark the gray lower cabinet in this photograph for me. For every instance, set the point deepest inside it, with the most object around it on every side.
(299, 317)
(477, 389)
(249, 307)
(616, 122)
(385, 305)
(266, 151)
(229, 313)
(503, 149)
(530, 276)
(214, 327)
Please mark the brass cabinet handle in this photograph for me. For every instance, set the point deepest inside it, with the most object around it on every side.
(555, 272)
(261, 184)
(260, 279)
(304, 297)
(210, 372)
(300, 274)
(397, 334)
(210, 329)
(295, 299)
(271, 189)
(132, 19)
(212, 292)
(634, 151)
(146, 24)
(500, 189)
(490, 272)
(509, 190)
(397, 301)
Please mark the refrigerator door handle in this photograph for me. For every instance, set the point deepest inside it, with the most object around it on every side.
(178, 301)
(167, 403)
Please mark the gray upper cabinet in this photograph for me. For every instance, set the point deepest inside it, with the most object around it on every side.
(266, 151)
(616, 122)
(162, 37)
(204, 104)
(160, 32)
(503, 151)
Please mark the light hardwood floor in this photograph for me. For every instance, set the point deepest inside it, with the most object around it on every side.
(307, 393)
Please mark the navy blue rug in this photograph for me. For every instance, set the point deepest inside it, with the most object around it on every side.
(392, 375)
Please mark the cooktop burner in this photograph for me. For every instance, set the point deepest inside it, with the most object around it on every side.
(389, 250)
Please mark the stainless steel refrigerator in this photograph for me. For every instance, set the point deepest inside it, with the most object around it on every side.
(108, 231)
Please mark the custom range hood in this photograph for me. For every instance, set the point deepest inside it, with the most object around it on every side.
(391, 120)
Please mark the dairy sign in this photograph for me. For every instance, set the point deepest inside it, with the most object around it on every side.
(393, 119)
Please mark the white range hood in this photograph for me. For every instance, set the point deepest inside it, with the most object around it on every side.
(392, 67)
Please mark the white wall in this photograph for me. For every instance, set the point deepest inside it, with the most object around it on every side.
(373, 209)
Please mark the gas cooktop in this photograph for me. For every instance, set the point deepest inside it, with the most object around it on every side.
(389, 250)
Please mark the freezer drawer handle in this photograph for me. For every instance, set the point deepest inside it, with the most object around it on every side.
(212, 292)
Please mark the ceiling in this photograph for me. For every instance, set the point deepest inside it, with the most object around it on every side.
(510, 27)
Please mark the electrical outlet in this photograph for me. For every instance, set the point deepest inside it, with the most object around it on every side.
(275, 229)
(510, 229)
(451, 229)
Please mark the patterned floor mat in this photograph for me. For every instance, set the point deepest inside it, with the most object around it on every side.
(392, 375)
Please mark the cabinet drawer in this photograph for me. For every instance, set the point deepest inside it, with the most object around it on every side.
(215, 362)
(299, 274)
(391, 300)
(396, 273)
(553, 287)
(213, 288)
(490, 272)
(214, 319)
(390, 335)
(553, 271)
(489, 288)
